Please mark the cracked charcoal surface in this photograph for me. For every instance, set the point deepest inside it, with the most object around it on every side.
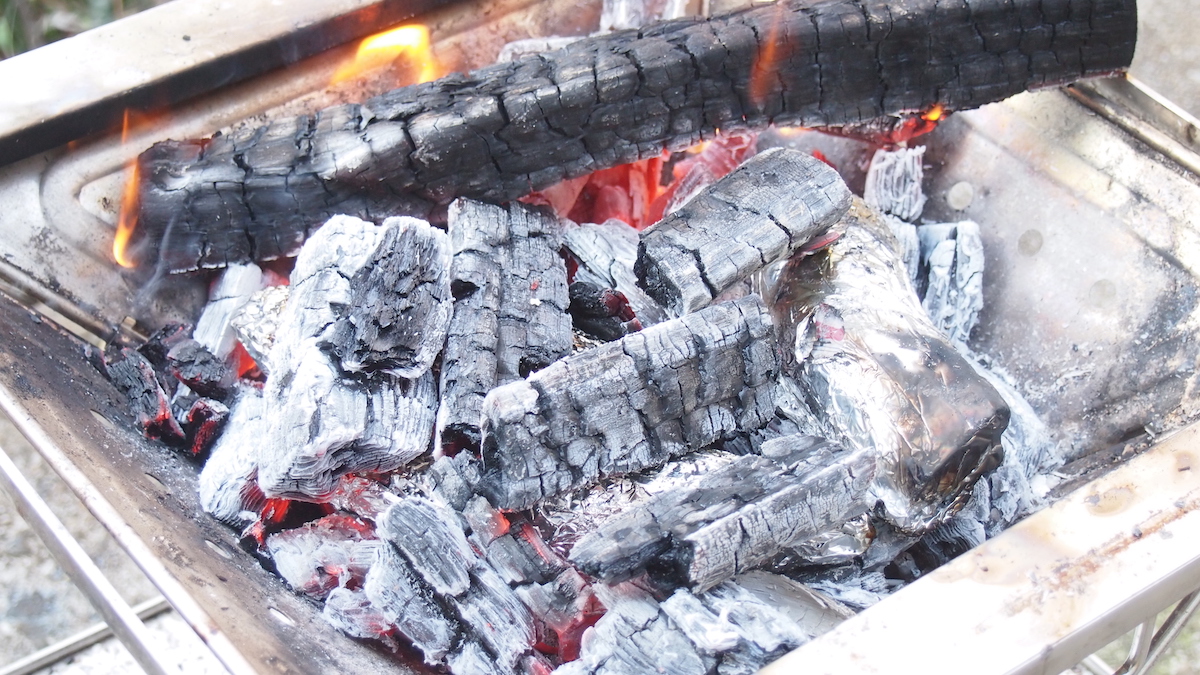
(630, 404)
(607, 253)
(734, 519)
(510, 308)
(765, 210)
(498, 132)
(399, 304)
(194, 365)
(318, 557)
(134, 377)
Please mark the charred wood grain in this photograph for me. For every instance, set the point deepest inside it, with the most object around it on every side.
(510, 308)
(630, 404)
(135, 377)
(192, 364)
(498, 132)
(768, 208)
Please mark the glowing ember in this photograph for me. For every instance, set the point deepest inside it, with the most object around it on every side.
(127, 220)
(382, 50)
(934, 114)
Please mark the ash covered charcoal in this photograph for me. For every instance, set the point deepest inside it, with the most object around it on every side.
(135, 377)
(500, 131)
(604, 313)
(510, 302)
(630, 404)
(227, 482)
(256, 322)
(770, 207)
(203, 424)
(160, 342)
(407, 603)
(952, 260)
(332, 552)
(879, 377)
(362, 496)
(606, 253)
(400, 303)
(195, 366)
(893, 186)
(228, 295)
(352, 612)
(734, 519)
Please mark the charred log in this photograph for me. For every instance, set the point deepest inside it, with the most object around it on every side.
(192, 364)
(509, 319)
(501, 131)
(203, 423)
(630, 404)
(734, 519)
(765, 210)
(604, 313)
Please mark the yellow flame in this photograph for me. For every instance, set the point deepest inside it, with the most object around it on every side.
(935, 113)
(127, 220)
(381, 50)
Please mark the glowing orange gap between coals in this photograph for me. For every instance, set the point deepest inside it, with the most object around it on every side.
(382, 49)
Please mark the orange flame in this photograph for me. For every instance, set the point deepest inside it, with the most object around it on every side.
(383, 49)
(767, 62)
(934, 114)
(130, 202)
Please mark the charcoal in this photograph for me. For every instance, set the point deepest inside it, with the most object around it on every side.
(486, 523)
(771, 206)
(893, 183)
(879, 377)
(510, 290)
(400, 303)
(134, 377)
(430, 539)
(256, 322)
(733, 519)
(194, 365)
(228, 295)
(203, 424)
(501, 131)
(407, 603)
(630, 404)
(567, 605)
(333, 552)
(161, 341)
(522, 558)
(602, 312)
(228, 477)
(353, 613)
(607, 253)
(453, 479)
(952, 257)
(364, 497)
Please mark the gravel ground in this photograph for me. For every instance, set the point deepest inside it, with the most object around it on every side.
(39, 605)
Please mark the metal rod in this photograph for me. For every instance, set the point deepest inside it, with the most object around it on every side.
(126, 537)
(80, 641)
(1143, 637)
(1096, 665)
(128, 628)
(1170, 630)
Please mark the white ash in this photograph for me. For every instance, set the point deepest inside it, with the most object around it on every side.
(256, 322)
(318, 557)
(893, 183)
(227, 478)
(353, 613)
(607, 252)
(230, 292)
(518, 48)
(952, 257)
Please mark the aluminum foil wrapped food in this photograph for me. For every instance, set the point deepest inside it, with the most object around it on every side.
(876, 374)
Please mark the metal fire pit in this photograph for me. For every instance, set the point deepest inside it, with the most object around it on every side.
(1087, 198)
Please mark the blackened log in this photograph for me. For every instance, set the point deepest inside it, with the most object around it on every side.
(734, 519)
(192, 364)
(765, 210)
(500, 131)
(630, 404)
(399, 303)
(601, 312)
(134, 377)
(510, 303)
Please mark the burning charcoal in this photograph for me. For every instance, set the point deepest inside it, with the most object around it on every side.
(407, 603)
(765, 210)
(430, 539)
(523, 558)
(606, 253)
(192, 364)
(161, 341)
(231, 291)
(134, 377)
(256, 322)
(602, 312)
(733, 519)
(203, 424)
(227, 480)
(361, 496)
(630, 404)
(952, 254)
(697, 171)
(503, 130)
(510, 290)
(454, 479)
(317, 557)
(353, 613)
(568, 607)
(400, 303)
(880, 377)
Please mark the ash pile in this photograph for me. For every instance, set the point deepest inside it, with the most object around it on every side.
(528, 445)
(677, 415)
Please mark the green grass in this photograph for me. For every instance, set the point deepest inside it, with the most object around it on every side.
(28, 24)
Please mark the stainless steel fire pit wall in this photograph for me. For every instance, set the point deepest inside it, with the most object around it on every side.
(1089, 202)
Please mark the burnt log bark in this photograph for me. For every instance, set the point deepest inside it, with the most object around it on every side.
(500, 131)
(510, 309)
(765, 210)
(733, 519)
(630, 404)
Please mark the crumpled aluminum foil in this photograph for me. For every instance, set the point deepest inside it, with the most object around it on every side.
(876, 373)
